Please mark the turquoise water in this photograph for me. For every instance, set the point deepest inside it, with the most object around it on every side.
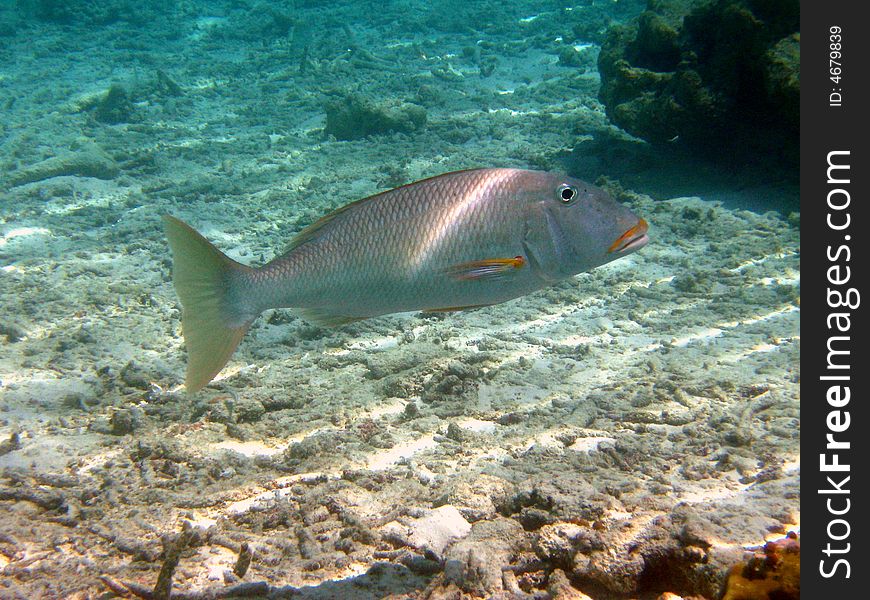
(626, 433)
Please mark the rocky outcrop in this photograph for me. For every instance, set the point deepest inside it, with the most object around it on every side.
(353, 117)
(721, 77)
(88, 162)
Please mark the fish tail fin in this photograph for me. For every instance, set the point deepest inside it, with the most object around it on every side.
(205, 279)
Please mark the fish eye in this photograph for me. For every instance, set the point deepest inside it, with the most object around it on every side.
(567, 193)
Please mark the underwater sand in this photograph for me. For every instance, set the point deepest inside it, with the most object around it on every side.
(636, 427)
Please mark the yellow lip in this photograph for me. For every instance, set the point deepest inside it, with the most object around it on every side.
(632, 235)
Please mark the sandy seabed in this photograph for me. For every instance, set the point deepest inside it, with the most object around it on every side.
(629, 432)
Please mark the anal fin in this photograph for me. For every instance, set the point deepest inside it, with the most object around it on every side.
(454, 308)
(325, 318)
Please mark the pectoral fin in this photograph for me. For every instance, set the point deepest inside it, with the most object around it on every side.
(487, 269)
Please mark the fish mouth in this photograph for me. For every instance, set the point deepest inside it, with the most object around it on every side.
(633, 239)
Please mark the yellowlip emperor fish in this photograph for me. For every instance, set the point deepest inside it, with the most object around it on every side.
(456, 241)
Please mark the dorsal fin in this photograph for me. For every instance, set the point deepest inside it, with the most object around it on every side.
(311, 231)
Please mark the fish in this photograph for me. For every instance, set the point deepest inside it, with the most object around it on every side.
(456, 241)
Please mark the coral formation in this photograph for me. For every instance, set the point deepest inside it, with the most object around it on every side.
(88, 162)
(710, 75)
(91, 13)
(115, 107)
(352, 117)
(775, 573)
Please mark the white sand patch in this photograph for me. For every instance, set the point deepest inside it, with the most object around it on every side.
(22, 232)
(249, 448)
(405, 450)
(476, 425)
(588, 444)
(260, 498)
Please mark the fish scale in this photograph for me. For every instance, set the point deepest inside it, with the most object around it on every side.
(378, 258)
(458, 240)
